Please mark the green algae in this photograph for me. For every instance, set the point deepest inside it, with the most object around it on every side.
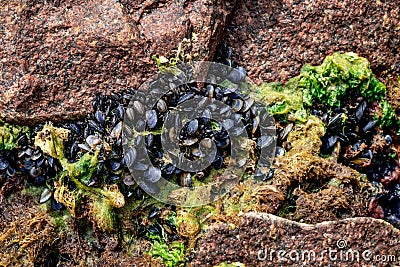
(100, 202)
(9, 134)
(280, 99)
(172, 254)
(340, 75)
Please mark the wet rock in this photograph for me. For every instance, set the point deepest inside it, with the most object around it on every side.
(57, 54)
(272, 40)
(256, 240)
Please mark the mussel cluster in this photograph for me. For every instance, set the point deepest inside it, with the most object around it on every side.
(195, 125)
(355, 138)
(100, 130)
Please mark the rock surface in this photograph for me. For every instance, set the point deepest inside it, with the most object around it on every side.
(259, 237)
(55, 55)
(274, 39)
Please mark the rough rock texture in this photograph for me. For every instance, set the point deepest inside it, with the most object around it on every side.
(55, 55)
(274, 39)
(259, 237)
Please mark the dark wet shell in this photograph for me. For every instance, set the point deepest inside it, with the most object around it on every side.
(3, 164)
(369, 126)
(264, 141)
(153, 174)
(284, 133)
(185, 97)
(222, 143)
(190, 141)
(192, 127)
(388, 139)
(360, 110)
(168, 170)
(237, 105)
(151, 188)
(210, 91)
(279, 151)
(256, 123)
(28, 164)
(152, 119)
(55, 205)
(155, 229)
(40, 161)
(34, 172)
(138, 107)
(25, 152)
(218, 162)
(335, 120)
(237, 75)
(120, 112)
(149, 140)
(75, 128)
(45, 196)
(100, 118)
(116, 131)
(185, 179)
(153, 212)
(329, 143)
(115, 165)
(41, 180)
(162, 106)
(248, 103)
(95, 126)
(36, 155)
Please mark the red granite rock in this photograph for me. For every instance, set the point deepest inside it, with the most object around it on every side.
(55, 55)
(259, 238)
(274, 39)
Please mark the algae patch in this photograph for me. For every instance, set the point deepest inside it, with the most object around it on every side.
(9, 135)
(172, 254)
(340, 76)
(97, 202)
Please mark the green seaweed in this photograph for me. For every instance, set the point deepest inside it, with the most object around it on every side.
(172, 255)
(340, 76)
(9, 134)
(166, 65)
(280, 99)
(101, 200)
(387, 116)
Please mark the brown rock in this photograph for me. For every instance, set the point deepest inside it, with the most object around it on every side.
(274, 39)
(260, 237)
(55, 55)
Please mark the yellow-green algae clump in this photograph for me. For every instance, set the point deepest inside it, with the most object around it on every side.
(99, 201)
(9, 134)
